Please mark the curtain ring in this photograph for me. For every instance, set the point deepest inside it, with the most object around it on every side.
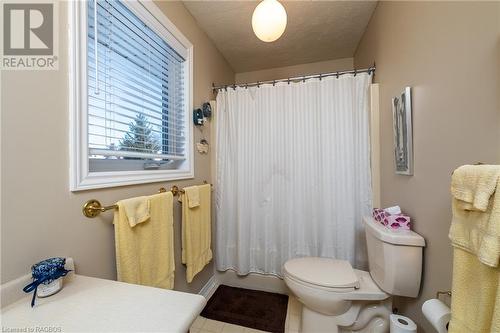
(246, 86)
(234, 87)
(320, 77)
(274, 83)
(258, 84)
(288, 80)
(303, 79)
(337, 75)
(355, 72)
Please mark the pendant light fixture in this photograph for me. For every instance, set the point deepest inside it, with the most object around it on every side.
(269, 20)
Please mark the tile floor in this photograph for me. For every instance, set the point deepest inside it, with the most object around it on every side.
(292, 324)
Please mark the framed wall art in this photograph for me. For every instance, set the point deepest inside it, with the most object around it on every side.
(403, 133)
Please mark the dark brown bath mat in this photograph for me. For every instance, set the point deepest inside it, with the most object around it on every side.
(250, 308)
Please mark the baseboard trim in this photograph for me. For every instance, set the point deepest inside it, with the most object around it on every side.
(209, 288)
(254, 281)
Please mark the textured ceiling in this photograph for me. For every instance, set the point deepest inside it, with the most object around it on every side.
(316, 31)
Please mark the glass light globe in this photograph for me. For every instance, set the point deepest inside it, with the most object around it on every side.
(269, 20)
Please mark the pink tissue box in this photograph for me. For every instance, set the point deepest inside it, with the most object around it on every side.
(394, 222)
(379, 215)
(398, 222)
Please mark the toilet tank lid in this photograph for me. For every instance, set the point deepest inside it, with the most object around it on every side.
(324, 272)
(405, 237)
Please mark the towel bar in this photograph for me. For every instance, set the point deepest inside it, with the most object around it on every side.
(477, 163)
(439, 293)
(176, 190)
(93, 207)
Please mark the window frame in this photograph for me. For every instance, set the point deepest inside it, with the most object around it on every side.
(80, 176)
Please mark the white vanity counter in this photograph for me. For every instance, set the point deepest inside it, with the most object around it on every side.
(87, 304)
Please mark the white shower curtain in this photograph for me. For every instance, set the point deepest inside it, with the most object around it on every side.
(293, 173)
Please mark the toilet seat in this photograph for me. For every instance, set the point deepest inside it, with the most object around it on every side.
(303, 272)
(324, 273)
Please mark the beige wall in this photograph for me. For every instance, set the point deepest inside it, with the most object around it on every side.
(297, 70)
(498, 67)
(40, 216)
(449, 53)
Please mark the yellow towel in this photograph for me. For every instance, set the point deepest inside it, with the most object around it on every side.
(145, 252)
(475, 236)
(475, 301)
(193, 196)
(473, 229)
(196, 233)
(136, 210)
(473, 185)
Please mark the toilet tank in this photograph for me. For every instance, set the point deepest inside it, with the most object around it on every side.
(395, 258)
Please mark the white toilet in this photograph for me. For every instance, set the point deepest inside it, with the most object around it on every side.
(338, 298)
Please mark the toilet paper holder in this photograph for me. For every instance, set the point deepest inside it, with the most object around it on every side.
(437, 313)
(439, 293)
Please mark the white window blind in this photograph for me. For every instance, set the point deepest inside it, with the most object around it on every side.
(136, 88)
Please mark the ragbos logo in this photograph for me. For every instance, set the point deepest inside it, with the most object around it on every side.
(29, 36)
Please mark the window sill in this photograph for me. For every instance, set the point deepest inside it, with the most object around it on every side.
(99, 180)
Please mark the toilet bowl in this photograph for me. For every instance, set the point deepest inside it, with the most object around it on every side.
(338, 298)
(350, 296)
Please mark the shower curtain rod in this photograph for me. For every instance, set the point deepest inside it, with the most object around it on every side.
(257, 84)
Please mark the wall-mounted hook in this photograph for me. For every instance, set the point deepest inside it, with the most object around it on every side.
(198, 118)
(207, 110)
(202, 146)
